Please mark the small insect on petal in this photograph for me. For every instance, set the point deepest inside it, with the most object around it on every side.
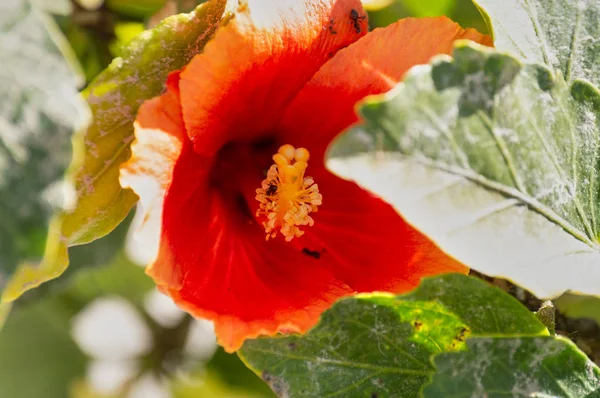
(356, 19)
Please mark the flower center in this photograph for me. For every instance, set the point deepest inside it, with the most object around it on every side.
(287, 197)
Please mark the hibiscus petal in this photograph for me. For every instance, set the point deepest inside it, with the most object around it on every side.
(159, 133)
(214, 261)
(366, 243)
(359, 237)
(372, 65)
(246, 76)
(217, 265)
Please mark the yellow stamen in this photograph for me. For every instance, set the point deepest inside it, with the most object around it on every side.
(287, 197)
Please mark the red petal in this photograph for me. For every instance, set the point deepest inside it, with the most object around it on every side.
(189, 183)
(246, 76)
(372, 65)
(217, 265)
(367, 244)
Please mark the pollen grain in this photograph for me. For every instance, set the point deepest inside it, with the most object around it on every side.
(286, 196)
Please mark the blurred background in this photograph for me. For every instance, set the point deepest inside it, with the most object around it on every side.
(102, 330)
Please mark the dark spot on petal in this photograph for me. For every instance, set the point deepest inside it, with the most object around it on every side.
(312, 253)
(330, 28)
(417, 324)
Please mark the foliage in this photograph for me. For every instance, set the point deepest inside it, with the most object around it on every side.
(493, 153)
(381, 345)
(515, 367)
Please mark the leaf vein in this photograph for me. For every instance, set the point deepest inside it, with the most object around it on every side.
(391, 342)
(511, 192)
(501, 144)
(346, 364)
(538, 31)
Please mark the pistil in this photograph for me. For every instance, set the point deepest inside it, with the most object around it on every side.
(286, 196)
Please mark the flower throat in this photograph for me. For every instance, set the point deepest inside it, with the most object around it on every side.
(286, 196)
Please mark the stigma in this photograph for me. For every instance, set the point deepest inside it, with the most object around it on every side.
(286, 196)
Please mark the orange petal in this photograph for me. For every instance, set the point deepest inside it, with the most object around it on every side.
(159, 134)
(372, 65)
(256, 64)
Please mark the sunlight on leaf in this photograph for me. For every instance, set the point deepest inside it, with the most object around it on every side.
(495, 160)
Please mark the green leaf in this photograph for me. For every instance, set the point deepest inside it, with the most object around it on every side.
(485, 309)
(114, 97)
(515, 367)
(495, 160)
(39, 110)
(422, 9)
(234, 373)
(211, 384)
(101, 253)
(373, 345)
(120, 278)
(564, 34)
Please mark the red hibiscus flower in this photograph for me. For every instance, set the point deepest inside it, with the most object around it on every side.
(256, 234)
